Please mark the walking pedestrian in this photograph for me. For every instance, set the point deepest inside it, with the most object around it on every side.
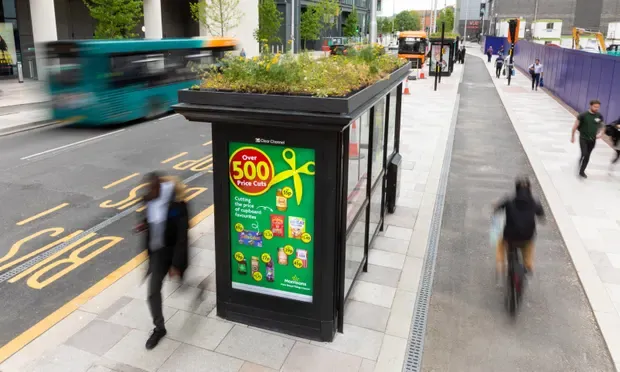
(242, 54)
(536, 70)
(501, 50)
(590, 127)
(613, 131)
(463, 52)
(499, 63)
(489, 53)
(166, 241)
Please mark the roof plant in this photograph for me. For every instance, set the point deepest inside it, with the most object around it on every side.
(302, 74)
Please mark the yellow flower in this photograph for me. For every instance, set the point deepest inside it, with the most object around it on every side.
(268, 66)
(274, 60)
(255, 58)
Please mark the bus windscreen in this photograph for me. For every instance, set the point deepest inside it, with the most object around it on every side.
(411, 45)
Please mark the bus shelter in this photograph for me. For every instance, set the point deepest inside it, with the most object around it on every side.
(442, 56)
(301, 188)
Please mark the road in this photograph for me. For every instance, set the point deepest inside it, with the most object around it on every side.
(468, 328)
(69, 198)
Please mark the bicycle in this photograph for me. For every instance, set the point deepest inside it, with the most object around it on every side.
(516, 277)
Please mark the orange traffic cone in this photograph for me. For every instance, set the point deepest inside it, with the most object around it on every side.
(422, 75)
(354, 143)
(406, 92)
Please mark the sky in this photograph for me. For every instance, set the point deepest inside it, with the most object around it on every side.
(401, 5)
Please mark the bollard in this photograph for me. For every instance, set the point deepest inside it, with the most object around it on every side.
(20, 72)
(31, 68)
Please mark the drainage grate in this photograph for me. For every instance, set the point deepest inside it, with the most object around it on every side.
(413, 359)
(33, 261)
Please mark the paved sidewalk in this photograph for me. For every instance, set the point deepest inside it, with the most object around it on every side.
(13, 93)
(587, 212)
(23, 106)
(23, 119)
(108, 332)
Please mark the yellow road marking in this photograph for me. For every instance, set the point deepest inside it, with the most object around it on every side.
(38, 329)
(44, 213)
(200, 216)
(121, 180)
(174, 157)
(207, 143)
(48, 322)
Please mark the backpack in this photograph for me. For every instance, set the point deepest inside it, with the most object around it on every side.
(521, 223)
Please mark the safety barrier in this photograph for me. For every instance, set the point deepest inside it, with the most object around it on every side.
(576, 77)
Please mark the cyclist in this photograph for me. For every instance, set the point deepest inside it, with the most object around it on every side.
(520, 226)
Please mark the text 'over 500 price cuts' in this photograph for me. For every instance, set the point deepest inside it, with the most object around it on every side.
(250, 170)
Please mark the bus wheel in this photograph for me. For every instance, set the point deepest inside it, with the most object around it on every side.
(155, 108)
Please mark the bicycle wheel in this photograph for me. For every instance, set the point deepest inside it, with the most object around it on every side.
(512, 291)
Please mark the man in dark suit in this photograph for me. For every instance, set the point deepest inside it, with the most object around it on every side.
(166, 224)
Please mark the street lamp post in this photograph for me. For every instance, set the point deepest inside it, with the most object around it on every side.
(466, 20)
(373, 21)
(293, 26)
(435, 17)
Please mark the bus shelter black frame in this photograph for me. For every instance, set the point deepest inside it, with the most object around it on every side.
(449, 42)
(322, 124)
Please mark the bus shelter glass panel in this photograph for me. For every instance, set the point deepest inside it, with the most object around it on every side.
(391, 135)
(355, 251)
(378, 137)
(358, 167)
(376, 212)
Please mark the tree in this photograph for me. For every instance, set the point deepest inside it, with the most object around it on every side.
(269, 21)
(116, 19)
(219, 17)
(384, 25)
(328, 10)
(406, 21)
(446, 15)
(351, 24)
(310, 24)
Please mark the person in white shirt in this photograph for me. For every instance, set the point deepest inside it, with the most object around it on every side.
(536, 70)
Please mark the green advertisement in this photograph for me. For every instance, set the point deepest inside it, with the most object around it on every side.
(272, 219)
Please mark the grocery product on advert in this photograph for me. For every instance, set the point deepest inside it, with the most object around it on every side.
(272, 219)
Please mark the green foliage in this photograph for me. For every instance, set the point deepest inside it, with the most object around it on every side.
(447, 35)
(334, 76)
(116, 19)
(385, 25)
(351, 24)
(269, 21)
(219, 17)
(328, 10)
(309, 24)
(406, 21)
(446, 15)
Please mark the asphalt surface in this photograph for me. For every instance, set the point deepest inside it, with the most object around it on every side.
(46, 168)
(468, 327)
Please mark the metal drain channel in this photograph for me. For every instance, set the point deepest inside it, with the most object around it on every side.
(415, 347)
(36, 259)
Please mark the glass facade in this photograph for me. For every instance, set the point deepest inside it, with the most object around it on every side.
(9, 38)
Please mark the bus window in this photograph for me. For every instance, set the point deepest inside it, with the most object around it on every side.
(129, 70)
(412, 45)
(65, 69)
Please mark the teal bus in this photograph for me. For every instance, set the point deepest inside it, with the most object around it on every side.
(106, 82)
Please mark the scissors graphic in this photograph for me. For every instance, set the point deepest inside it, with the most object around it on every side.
(290, 158)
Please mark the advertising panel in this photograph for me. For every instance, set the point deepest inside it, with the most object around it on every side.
(272, 219)
(8, 55)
